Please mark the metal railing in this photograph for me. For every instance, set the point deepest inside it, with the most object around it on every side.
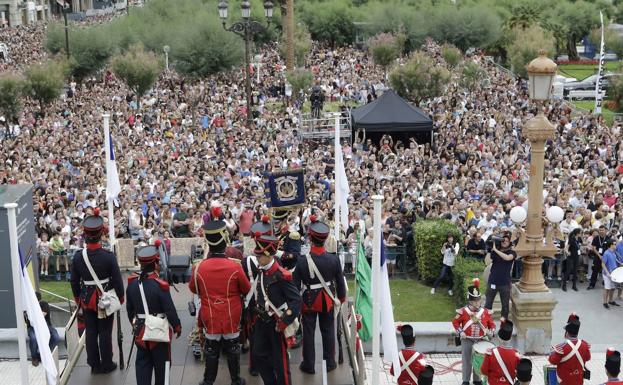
(324, 127)
(70, 303)
(75, 345)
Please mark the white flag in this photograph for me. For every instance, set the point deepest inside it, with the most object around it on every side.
(388, 328)
(342, 190)
(35, 316)
(113, 187)
(602, 58)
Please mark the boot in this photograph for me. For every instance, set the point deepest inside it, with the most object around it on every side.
(213, 349)
(564, 286)
(232, 350)
(574, 287)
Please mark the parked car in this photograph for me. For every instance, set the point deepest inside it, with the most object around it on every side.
(589, 82)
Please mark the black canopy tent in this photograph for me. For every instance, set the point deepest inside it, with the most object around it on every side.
(391, 114)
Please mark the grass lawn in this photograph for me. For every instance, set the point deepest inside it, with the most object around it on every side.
(61, 288)
(589, 105)
(582, 71)
(413, 302)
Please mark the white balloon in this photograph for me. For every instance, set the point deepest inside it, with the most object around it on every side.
(518, 214)
(555, 214)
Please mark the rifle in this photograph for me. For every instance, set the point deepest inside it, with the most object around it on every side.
(340, 358)
(120, 340)
(133, 343)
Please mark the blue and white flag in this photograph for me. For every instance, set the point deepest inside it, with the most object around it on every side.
(388, 328)
(285, 189)
(30, 304)
(113, 187)
(598, 85)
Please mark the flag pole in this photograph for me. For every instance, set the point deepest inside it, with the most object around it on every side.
(376, 289)
(17, 292)
(337, 181)
(111, 215)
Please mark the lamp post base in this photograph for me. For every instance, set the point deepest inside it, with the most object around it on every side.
(532, 314)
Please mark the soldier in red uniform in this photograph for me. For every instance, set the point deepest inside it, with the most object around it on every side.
(571, 356)
(98, 327)
(412, 362)
(220, 283)
(613, 367)
(320, 277)
(277, 305)
(500, 363)
(150, 356)
(472, 323)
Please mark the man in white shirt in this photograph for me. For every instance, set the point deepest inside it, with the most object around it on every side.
(568, 224)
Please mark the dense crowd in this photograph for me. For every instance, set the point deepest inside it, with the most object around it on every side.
(185, 146)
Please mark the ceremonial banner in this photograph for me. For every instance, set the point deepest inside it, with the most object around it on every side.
(285, 189)
(598, 85)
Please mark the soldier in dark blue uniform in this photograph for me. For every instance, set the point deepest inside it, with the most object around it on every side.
(150, 356)
(318, 301)
(275, 293)
(98, 330)
(291, 250)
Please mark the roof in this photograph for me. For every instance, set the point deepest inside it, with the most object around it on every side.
(391, 113)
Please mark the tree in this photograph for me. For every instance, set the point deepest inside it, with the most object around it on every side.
(526, 46)
(302, 45)
(138, 69)
(473, 27)
(419, 79)
(300, 80)
(332, 22)
(90, 50)
(44, 82)
(10, 90)
(384, 49)
(472, 76)
(613, 40)
(451, 55)
(573, 21)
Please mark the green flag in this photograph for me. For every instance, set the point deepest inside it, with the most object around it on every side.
(363, 300)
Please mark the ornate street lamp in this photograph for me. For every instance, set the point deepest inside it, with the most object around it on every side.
(246, 28)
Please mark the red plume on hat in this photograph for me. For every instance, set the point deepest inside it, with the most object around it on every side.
(573, 317)
(96, 211)
(313, 219)
(399, 328)
(476, 282)
(216, 213)
(265, 219)
(158, 243)
(610, 352)
(258, 234)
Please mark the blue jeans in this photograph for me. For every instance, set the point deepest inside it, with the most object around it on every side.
(32, 341)
(445, 270)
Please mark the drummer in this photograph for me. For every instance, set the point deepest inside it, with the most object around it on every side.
(500, 363)
(412, 362)
(609, 263)
(472, 323)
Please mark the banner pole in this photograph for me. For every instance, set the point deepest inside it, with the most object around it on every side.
(17, 292)
(376, 289)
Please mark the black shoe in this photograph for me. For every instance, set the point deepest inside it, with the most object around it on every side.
(305, 370)
(613, 303)
(109, 369)
(253, 372)
(477, 382)
(465, 383)
(564, 287)
(574, 287)
(331, 368)
(96, 371)
(590, 287)
(606, 306)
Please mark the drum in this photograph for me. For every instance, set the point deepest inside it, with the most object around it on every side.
(549, 375)
(617, 276)
(478, 356)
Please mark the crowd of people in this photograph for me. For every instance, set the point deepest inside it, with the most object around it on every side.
(186, 145)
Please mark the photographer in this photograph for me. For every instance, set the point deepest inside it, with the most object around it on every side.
(502, 260)
(449, 250)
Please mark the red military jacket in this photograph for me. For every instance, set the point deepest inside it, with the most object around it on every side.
(569, 369)
(472, 322)
(493, 370)
(409, 373)
(613, 381)
(220, 283)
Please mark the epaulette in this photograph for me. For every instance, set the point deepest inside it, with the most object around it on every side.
(459, 311)
(559, 348)
(164, 285)
(285, 273)
(489, 351)
(235, 260)
(133, 277)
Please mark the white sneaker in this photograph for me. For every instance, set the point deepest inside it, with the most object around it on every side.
(450, 292)
(432, 291)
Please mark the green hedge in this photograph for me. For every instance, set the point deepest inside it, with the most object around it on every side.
(465, 270)
(429, 236)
